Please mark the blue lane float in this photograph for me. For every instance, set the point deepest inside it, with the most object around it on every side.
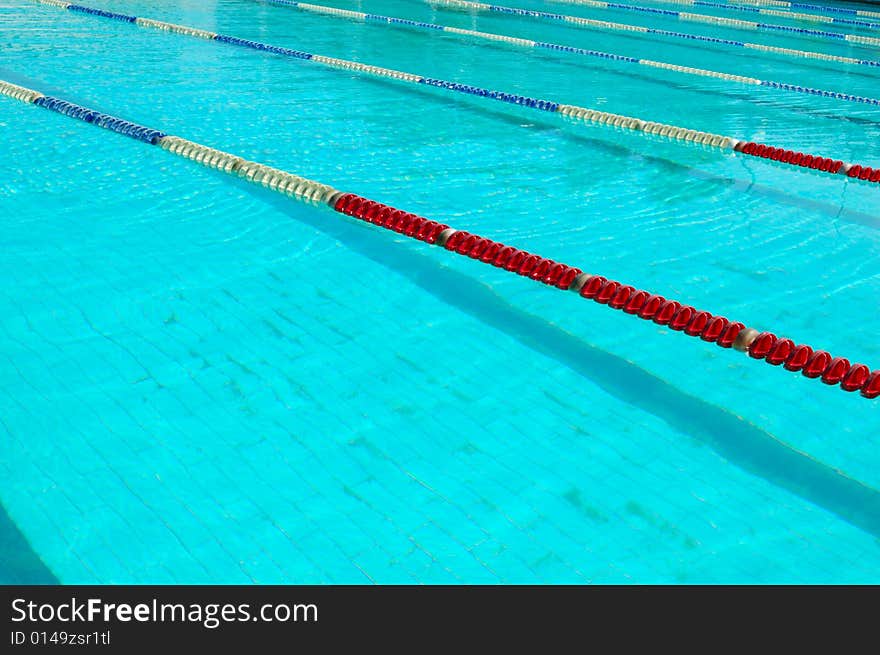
(648, 306)
(672, 132)
(256, 45)
(100, 12)
(782, 8)
(731, 23)
(779, 13)
(579, 21)
(590, 53)
(377, 18)
(527, 43)
(108, 122)
(830, 9)
(525, 101)
(819, 92)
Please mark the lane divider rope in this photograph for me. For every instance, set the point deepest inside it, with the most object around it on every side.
(671, 132)
(761, 3)
(177, 29)
(101, 12)
(733, 23)
(796, 5)
(578, 21)
(391, 21)
(711, 328)
(761, 11)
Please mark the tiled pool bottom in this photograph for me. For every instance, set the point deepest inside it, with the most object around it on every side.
(310, 474)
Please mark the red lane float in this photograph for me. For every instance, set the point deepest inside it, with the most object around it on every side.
(647, 306)
(487, 251)
(793, 158)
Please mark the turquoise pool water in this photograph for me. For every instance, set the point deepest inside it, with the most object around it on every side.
(201, 381)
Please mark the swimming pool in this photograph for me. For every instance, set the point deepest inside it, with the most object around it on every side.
(203, 381)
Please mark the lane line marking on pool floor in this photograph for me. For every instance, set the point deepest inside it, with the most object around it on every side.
(711, 328)
(672, 132)
(392, 21)
(734, 23)
(588, 23)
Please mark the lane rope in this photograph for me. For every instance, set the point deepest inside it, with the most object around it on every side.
(638, 125)
(391, 21)
(779, 13)
(711, 328)
(782, 4)
(588, 23)
(734, 23)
